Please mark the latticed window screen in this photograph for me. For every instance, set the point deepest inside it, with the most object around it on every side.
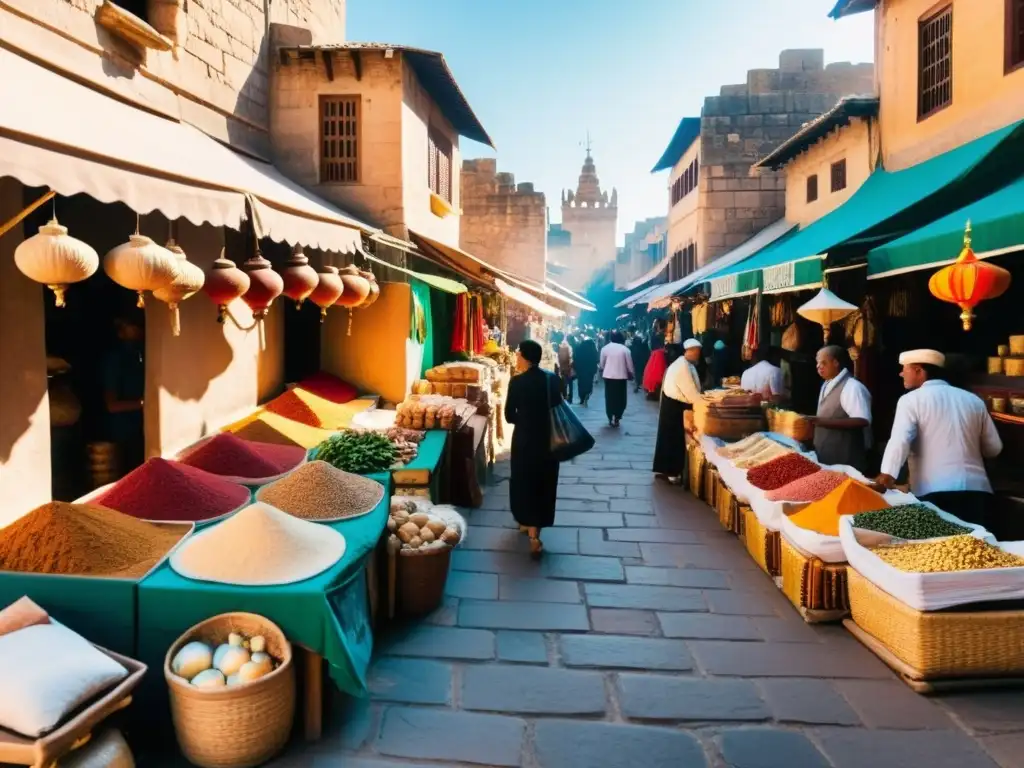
(439, 165)
(339, 139)
(935, 70)
(1014, 33)
(839, 175)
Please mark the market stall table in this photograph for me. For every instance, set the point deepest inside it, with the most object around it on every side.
(327, 615)
(426, 471)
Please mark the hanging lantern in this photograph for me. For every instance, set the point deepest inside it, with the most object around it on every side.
(824, 309)
(328, 289)
(265, 285)
(141, 265)
(55, 259)
(374, 289)
(224, 283)
(357, 288)
(190, 279)
(968, 281)
(299, 278)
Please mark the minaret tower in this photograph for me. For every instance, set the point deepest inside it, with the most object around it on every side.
(590, 215)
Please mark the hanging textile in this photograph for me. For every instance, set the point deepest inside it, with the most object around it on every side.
(460, 327)
(421, 296)
(699, 318)
(442, 317)
(677, 330)
(479, 334)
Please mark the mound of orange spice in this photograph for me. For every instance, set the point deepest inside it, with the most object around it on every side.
(850, 498)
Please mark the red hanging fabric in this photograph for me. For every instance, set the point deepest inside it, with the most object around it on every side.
(459, 326)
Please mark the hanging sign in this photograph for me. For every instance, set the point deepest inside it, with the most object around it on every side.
(779, 277)
(723, 287)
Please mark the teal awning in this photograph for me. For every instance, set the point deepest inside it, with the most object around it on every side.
(890, 204)
(997, 224)
(736, 284)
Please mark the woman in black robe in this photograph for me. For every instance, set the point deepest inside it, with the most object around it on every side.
(586, 369)
(534, 484)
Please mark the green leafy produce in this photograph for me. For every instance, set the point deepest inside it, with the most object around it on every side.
(909, 521)
(357, 452)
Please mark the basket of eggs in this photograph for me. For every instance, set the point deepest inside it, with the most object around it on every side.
(422, 537)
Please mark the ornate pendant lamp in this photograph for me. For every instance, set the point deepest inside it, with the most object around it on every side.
(968, 281)
(189, 281)
(328, 289)
(357, 288)
(824, 309)
(141, 265)
(299, 278)
(224, 283)
(55, 259)
(374, 288)
(265, 285)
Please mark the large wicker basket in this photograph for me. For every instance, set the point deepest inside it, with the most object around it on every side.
(234, 727)
(727, 506)
(791, 424)
(940, 644)
(764, 545)
(816, 588)
(710, 490)
(696, 464)
(420, 580)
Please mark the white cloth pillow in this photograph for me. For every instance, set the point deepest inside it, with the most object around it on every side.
(47, 671)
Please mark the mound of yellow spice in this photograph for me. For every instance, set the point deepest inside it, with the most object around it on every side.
(957, 553)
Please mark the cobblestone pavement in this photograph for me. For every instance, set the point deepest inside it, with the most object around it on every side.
(646, 637)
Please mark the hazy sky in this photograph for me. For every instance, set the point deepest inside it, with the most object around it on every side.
(540, 73)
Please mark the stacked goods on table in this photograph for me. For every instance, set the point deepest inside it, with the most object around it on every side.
(172, 491)
(57, 687)
(791, 424)
(781, 471)
(455, 379)
(358, 452)
(406, 442)
(319, 492)
(433, 412)
(241, 460)
(728, 413)
(85, 540)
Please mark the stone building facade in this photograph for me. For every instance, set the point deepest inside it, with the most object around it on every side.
(503, 223)
(590, 217)
(747, 121)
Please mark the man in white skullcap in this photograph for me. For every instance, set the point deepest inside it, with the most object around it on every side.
(679, 391)
(946, 434)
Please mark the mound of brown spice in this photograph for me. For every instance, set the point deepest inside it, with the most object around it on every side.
(83, 540)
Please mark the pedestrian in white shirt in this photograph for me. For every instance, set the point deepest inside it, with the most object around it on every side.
(842, 425)
(946, 434)
(616, 369)
(763, 377)
(679, 391)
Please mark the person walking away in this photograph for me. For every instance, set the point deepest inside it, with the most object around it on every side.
(945, 433)
(533, 487)
(679, 392)
(565, 368)
(641, 353)
(763, 377)
(843, 421)
(616, 366)
(586, 369)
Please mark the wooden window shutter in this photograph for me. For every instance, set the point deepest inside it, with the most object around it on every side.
(339, 139)
(935, 63)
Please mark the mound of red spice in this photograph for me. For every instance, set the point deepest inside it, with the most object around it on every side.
(169, 490)
(781, 471)
(228, 454)
(329, 388)
(291, 406)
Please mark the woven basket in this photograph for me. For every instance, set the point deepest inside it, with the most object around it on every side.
(696, 465)
(420, 581)
(791, 424)
(940, 644)
(812, 584)
(763, 544)
(710, 484)
(234, 727)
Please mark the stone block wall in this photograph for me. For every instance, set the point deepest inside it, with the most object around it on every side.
(745, 122)
(503, 223)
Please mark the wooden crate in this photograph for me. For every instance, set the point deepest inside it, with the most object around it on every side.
(817, 589)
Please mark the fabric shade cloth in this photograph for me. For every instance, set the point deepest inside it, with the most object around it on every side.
(167, 162)
(826, 308)
(527, 299)
(441, 283)
(649, 275)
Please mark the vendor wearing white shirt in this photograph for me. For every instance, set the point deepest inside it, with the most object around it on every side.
(945, 433)
(842, 425)
(764, 378)
(679, 391)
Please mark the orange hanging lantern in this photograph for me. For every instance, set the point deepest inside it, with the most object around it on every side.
(299, 278)
(265, 285)
(224, 283)
(328, 288)
(968, 281)
(357, 288)
(374, 289)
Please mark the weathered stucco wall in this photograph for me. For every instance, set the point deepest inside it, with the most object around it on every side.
(683, 218)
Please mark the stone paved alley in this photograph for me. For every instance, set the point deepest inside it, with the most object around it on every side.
(646, 637)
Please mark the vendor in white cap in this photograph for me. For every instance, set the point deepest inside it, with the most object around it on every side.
(946, 434)
(679, 391)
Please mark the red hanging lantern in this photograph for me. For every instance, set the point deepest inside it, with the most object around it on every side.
(224, 283)
(357, 288)
(374, 289)
(968, 281)
(299, 278)
(265, 285)
(328, 289)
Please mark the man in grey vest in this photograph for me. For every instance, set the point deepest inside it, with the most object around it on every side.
(842, 425)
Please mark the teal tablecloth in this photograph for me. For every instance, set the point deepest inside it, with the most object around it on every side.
(327, 614)
(429, 457)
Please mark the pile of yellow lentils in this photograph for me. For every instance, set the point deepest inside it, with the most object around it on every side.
(957, 553)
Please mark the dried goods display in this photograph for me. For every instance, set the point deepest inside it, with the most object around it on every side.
(420, 528)
(293, 407)
(228, 454)
(238, 661)
(809, 488)
(318, 491)
(781, 471)
(850, 498)
(358, 452)
(430, 412)
(728, 413)
(762, 455)
(83, 540)
(172, 491)
(744, 446)
(957, 553)
(909, 521)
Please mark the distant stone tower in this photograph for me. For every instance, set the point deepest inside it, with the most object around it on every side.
(589, 216)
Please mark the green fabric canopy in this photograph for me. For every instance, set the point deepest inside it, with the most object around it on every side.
(997, 224)
(421, 290)
(891, 203)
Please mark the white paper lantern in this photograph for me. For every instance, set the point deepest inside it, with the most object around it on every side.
(141, 265)
(190, 279)
(826, 308)
(56, 259)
